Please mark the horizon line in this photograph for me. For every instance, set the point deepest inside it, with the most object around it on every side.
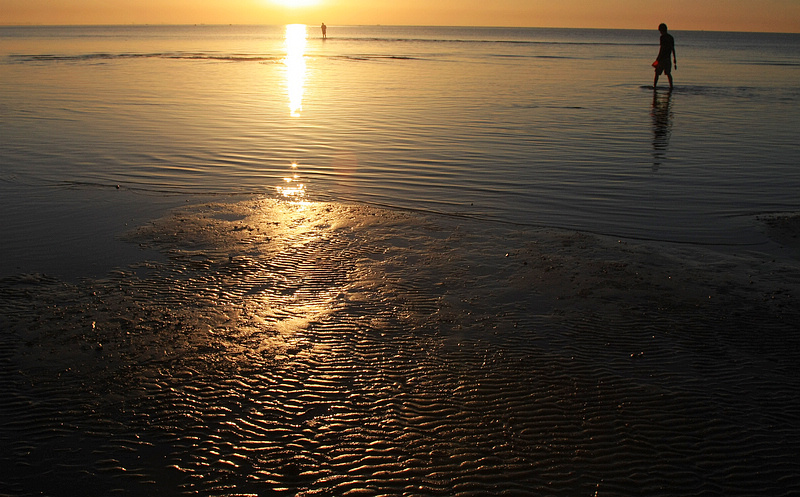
(32, 25)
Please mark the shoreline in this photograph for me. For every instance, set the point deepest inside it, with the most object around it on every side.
(89, 237)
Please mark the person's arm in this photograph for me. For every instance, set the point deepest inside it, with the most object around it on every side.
(674, 56)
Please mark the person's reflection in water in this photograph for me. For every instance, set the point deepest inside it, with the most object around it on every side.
(662, 125)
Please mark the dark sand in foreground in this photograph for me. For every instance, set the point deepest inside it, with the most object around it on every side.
(321, 349)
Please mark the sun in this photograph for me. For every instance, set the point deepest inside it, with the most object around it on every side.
(295, 3)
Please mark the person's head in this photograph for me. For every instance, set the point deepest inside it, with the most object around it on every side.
(662, 27)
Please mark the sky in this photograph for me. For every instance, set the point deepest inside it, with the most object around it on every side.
(711, 15)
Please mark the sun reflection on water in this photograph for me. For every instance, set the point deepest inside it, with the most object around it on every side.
(296, 38)
(293, 187)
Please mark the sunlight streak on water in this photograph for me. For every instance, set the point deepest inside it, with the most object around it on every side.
(293, 188)
(296, 38)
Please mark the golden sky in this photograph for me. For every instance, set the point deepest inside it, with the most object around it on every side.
(712, 15)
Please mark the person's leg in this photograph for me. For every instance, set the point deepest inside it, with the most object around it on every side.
(669, 77)
(655, 81)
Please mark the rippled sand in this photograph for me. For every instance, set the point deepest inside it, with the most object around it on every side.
(328, 349)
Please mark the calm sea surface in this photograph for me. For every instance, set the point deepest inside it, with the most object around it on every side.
(249, 261)
(543, 127)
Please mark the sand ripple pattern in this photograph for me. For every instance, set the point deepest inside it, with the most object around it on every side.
(323, 349)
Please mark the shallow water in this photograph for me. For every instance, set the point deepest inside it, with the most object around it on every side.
(539, 127)
(468, 285)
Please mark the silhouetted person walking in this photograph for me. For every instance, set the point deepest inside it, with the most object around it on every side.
(663, 63)
(324, 31)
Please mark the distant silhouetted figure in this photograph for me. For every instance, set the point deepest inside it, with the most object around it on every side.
(663, 63)
(324, 31)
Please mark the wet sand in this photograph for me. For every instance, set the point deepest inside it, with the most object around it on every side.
(331, 349)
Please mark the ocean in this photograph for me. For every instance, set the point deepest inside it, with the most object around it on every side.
(246, 260)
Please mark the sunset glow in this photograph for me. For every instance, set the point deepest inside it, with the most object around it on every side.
(731, 15)
(295, 3)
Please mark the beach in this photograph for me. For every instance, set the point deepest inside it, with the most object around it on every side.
(436, 295)
(327, 349)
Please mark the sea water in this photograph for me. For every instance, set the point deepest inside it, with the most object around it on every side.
(541, 127)
(402, 260)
